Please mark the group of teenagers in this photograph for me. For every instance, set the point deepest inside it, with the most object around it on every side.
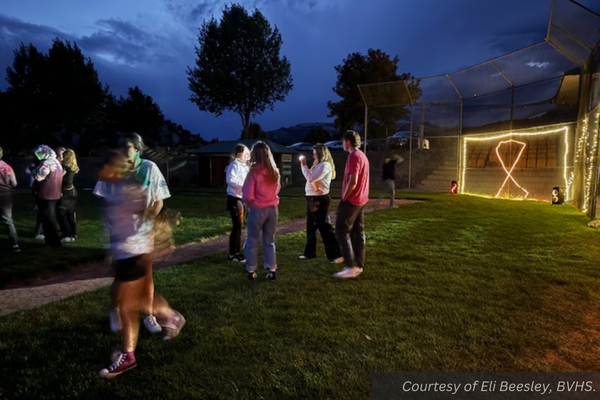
(253, 184)
(134, 189)
(54, 193)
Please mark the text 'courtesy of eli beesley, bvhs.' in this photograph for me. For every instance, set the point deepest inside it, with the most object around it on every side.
(485, 385)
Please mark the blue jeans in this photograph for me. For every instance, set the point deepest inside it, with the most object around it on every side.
(261, 220)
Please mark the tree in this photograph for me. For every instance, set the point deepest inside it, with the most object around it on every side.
(238, 67)
(138, 112)
(317, 135)
(58, 93)
(357, 69)
(255, 131)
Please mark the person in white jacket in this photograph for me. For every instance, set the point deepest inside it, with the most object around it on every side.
(235, 176)
(318, 180)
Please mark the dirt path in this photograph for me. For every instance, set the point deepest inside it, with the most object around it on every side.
(91, 277)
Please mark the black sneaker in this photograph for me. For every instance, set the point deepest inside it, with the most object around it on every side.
(16, 249)
(240, 258)
(271, 276)
(251, 276)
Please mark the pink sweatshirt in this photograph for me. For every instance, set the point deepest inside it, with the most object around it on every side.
(257, 191)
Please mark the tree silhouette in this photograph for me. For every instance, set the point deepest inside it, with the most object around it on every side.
(238, 67)
(374, 67)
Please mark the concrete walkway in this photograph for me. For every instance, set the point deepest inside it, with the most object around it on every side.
(92, 277)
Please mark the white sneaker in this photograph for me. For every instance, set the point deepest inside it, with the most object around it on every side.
(349, 273)
(151, 324)
(338, 260)
(115, 320)
(67, 239)
(39, 237)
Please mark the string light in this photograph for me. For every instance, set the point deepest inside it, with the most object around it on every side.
(508, 173)
(562, 130)
(591, 161)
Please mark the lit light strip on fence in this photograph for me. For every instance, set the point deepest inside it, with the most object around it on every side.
(564, 130)
(509, 173)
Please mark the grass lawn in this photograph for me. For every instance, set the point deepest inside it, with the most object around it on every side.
(204, 216)
(454, 283)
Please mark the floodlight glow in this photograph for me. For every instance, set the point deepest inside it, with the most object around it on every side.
(509, 173)
(509, 135)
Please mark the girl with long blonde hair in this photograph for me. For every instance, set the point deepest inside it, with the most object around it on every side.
(260, 194)
(318, 181)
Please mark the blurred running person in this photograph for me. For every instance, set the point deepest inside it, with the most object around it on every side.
(318, 180)
(260, 194)
(235, 176)
(133, 190)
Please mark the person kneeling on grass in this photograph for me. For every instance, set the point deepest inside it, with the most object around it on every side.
(133, 190)
(260, 193)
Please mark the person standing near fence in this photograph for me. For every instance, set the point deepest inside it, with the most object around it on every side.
(47, 189)
(68, 201)
(260, 193)
(8, 182)
(350, 215)
(236, 173)
(389, 175)
(318, 180)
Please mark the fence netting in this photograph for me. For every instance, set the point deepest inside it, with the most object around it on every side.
(514, 98)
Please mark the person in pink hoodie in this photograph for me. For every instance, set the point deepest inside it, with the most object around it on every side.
(259, 193)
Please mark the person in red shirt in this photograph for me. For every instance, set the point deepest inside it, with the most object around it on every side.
(350, 215)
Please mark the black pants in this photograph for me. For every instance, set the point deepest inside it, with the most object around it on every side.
(350, 233)
(6, 218)
(236, 210)
(47, 210)
(66, 216)
(317, 218)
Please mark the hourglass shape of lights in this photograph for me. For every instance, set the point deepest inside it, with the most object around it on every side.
(510, 169)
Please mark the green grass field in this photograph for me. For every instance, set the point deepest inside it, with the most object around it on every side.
(454, 283)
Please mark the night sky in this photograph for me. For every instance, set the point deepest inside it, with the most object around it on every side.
(151, 43)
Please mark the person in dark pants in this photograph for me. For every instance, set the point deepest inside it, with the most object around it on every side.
(318, 180)
(68, 201)
(8, 182)
(350, 215)
(235, 175)
(47, 190)
(389, 176)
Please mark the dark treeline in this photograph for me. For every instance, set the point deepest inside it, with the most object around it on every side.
(57, 99)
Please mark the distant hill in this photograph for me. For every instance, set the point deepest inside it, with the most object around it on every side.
(298, 133)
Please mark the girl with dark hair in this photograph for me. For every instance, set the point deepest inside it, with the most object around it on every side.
(235, 176)
(260, 193)
(318, 179)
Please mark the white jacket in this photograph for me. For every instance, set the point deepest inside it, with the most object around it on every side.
(235, 177)
(317, 180)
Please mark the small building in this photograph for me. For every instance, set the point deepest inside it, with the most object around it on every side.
(214, 158)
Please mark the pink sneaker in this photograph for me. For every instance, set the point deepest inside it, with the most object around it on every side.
(172, 324)
(121, 362)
